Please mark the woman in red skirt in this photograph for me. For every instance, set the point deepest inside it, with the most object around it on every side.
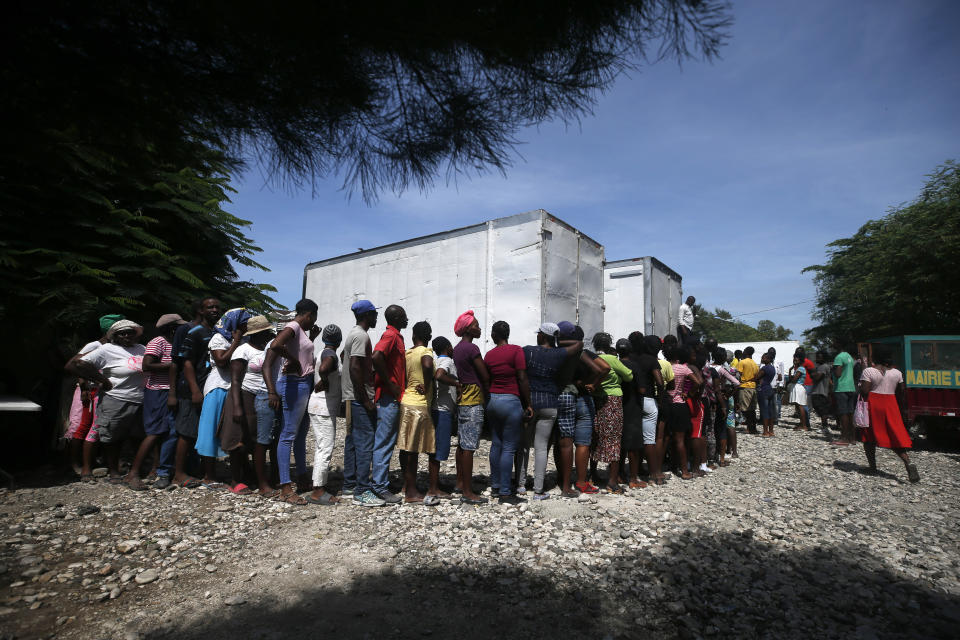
(882, 386)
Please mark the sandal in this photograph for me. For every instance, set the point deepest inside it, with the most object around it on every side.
(615, 488)
(214, 486)
(137, 487)
(240, 489)
(326, 500)
(189, 483)
(586, 487)
(413, 500)
(570, 494)
(638, 484)
(269, 495)
(431, 501)
(292, 498)
(912, 473)
(116, 480)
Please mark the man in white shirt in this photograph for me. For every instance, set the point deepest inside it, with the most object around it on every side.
(685, 327)
(779, 381)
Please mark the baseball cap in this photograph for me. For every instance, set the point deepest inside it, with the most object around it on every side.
(549, 329)
(362, 306)
(566, 329)
(170, 318)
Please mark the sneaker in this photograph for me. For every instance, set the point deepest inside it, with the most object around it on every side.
(705, 468)
(367, 499)
(346, 491)
(521, 491)
(162, 482)
(511, 499)
(541, 496)
(390, 498)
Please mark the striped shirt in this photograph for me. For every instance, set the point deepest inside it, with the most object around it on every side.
(161, 348)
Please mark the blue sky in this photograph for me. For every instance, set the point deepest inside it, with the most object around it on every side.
(819, 116)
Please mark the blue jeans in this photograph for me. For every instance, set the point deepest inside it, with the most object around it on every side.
(295, 393)
(384, 440)
(168, 447)
(766, 403)
(778, 401)
(505, 416)
(358, 448)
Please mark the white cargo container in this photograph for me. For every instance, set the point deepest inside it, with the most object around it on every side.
(640, 294)
(525, 269)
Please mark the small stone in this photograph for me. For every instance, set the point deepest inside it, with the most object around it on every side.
(147, 576)
(83, 540)
(86, 510)
(126, 546)
(223, 508)
(105, 570)
(624, 534)
(5, 611)
(115, 593)
(211, 568)
(234, 600)
(103, 595)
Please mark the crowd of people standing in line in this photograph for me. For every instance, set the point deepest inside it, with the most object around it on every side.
(227, 384)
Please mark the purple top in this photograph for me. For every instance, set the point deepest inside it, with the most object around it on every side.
(463, 356)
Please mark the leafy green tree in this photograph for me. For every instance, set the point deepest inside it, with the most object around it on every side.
(897, 274)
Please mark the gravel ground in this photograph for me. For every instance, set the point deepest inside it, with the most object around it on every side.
(793, 540)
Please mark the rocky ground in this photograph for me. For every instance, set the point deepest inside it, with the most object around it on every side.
(793, 540)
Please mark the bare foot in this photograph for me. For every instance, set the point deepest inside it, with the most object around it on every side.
(443, 495)
(411, 499)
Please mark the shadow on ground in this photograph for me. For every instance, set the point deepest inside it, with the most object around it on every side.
(853, 467)
(700, 584)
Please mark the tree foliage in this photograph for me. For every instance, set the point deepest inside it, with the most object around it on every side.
(897, 274)
(721, 326)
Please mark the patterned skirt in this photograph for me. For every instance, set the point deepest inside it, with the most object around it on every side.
(416, 430)
(608, 430)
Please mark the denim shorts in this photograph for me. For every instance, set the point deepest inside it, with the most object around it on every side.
(469, 425)
(583, 432)
(766, 402)
(846, 402)
(156, 416)
(443, 427)
(268, 420)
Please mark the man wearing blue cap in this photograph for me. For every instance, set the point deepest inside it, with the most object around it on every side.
(358, 392)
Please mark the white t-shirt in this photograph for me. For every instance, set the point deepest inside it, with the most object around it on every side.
(326, 403)
(253, 378)
(219, 377)
(686, 316)
(446, 393)
(123, 367)
(90, 346)
(780, 379)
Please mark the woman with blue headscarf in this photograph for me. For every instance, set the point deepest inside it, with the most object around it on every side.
(228, 335)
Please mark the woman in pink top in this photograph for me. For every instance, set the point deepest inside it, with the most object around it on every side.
(882, 386)
(292, 392)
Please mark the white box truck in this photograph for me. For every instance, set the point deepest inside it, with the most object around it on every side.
(526, 269)
(641, 294)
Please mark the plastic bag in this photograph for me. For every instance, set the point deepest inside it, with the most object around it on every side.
(861, 415)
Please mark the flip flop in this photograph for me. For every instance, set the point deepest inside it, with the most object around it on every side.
(189, 483)
(325, 500)
(570, 494)
(912, 472)
(292, 498)
(137, 487)
(269, 495)
(586, 487)
(240, 489)
(431, 501)
(116, 480)
(213, 486)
